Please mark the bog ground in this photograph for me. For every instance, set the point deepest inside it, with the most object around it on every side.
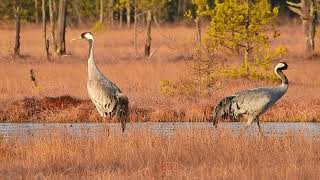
(193, 153)
(139, 78)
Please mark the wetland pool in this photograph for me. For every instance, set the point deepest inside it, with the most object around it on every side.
(167, 128)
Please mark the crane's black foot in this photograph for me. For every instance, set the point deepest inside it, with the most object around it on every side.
(260, 129)
(106, 128)
(123, 127)
(107, 131)
(261, 134)
(215, 124)
(123, 124)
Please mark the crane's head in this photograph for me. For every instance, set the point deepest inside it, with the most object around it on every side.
(281, 66)
(85, 35)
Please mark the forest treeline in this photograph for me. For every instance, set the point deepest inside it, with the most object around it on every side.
(239, 25)
(243, 28)
(111, 11)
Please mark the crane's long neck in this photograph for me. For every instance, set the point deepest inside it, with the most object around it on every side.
(284, 79)
(93, 71)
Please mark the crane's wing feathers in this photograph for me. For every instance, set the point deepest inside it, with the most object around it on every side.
(109, 84)
(248, 102)
(252, 101)
(103, 94)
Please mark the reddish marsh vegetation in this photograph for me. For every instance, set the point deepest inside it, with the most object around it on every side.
(184, 154)
(139, 78)
(204, 154)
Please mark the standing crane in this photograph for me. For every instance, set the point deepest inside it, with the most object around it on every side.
(251, 103)
(104, 94)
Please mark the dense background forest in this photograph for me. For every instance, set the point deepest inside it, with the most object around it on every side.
(88, 12)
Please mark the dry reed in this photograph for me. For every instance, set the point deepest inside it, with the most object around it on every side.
(185, 154)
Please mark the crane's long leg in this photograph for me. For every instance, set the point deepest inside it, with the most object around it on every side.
(249, 122)
(123, 123)
(260, 129)
(110, 117)
(106, 128)
(215, 123)
(258, 123)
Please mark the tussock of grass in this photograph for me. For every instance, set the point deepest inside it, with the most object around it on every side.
(185, 154)
(70, 109)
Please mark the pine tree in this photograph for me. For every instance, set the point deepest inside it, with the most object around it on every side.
(242, 25)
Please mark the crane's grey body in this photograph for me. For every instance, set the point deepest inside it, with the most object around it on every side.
(251, 103)
(104, 94)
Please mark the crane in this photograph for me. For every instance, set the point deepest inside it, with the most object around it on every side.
(104, 94)
(251, 103)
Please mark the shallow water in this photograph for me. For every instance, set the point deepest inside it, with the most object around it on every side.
(91, 129)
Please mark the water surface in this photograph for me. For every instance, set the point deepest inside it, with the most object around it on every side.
(91, 129)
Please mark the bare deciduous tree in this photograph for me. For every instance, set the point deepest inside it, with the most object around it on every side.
(17, 8)
(307, 10)
(52, 14)
(61, 28)
(135, 29)
(77, 11)
(128, 13)
(148, 40)
(110, 8)
(198, 29)
(181, 8)
(155, 18)
(101, 11)
(44, 24)
(36, 11)
(120, 18)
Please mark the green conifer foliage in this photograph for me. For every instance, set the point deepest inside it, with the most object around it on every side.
(243, 26)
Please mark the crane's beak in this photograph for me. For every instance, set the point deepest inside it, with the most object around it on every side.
(76, 39)
(294, 70)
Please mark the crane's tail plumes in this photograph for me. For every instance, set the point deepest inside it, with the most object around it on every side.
(222, 109)
(122, 111)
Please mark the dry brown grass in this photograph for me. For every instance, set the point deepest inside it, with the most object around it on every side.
(185, 154)
(139, 79)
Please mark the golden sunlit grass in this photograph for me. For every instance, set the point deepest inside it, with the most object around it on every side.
(140, 79)
(184, 154)
(203, 154)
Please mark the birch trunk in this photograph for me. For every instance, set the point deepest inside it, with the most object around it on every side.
(307, 10)
(101, 12)
(44, 25)
(120, 18)
(148, 40)
(36, 11)
(135, 30)
(52, 16)
(128, 14)
(16, 49)
(61, 30)
(77, 10)
(309, 17)
(198, 29)
(111, 17)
